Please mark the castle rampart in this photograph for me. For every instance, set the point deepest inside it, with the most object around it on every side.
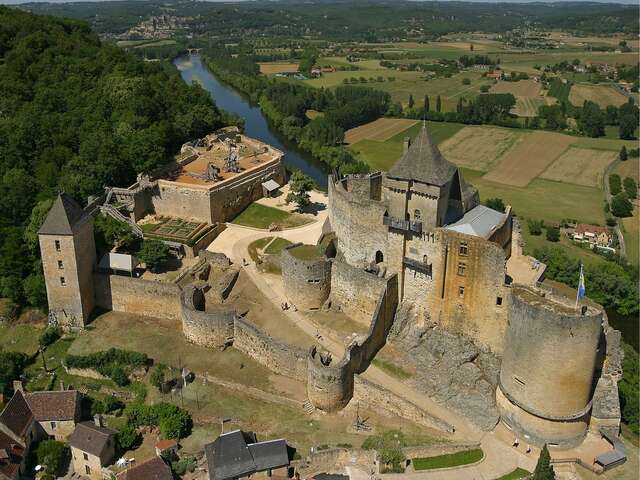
(307, 281)
(212, 328)
(548, 368)
(137, 296)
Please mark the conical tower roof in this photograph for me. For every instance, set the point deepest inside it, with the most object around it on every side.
(423, 162)
(62, 217)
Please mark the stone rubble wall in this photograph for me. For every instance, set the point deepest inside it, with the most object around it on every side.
(138, 296)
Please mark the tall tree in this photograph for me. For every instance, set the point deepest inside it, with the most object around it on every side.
(628, 125)
(623, 154)
(544, 470)
(438, 104)
(411, 102)
(426, 103)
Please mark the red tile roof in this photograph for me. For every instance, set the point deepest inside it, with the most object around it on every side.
(154, 469)
(58, 406)
(17, 415)
(11, 456)
(582, 228)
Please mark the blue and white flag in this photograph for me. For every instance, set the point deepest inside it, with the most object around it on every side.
(581, 288)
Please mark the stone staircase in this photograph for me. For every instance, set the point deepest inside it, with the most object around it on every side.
(115, 213)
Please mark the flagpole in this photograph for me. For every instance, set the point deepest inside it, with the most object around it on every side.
(579, 286)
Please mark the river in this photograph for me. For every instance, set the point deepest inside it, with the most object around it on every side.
(256, 125)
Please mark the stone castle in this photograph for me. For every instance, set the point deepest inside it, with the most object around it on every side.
(412, 254)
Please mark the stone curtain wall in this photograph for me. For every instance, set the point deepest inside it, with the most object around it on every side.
(330, 385)
(213, 329)
(388, 403)
(306, 282)
(221, 327)
(182, 201)
(355, 291)
(280, 357)
(137, 296)
(356, 219)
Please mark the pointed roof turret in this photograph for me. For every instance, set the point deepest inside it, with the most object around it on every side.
(65, 213)
(423, 162)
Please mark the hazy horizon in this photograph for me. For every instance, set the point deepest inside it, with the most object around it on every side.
(617, 2)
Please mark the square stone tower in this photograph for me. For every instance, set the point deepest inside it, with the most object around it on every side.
(68, 254)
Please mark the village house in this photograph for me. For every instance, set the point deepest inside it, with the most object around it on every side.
(238, 454)
(594, 235)
(29, 417)
(153, 469)
(497, 74)
(93, 446)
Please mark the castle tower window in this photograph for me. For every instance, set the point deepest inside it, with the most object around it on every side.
(498, 300)
(63, 281)
(463, 249)
(417, 215)
(424, 259)
(461, 291)
(379, 257)
(57, 243)
(462, 267)
(60, 264)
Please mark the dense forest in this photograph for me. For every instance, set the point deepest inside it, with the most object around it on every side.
(334, 20)
(76, 116)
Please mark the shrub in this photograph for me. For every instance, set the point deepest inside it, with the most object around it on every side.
(173, 421)
(128, 437)
(158, 375)
(53, 455)
(630, 187)
(621, 206)
(484, 88)
(389, 447)
(119, 376)
(113, 363)
(466, 81)
(535, 226)
(50, 335)
(153, 253)
(553, 234)
(184, 465)
(615, 185)
(496, 204)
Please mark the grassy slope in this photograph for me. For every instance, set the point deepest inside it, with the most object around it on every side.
(450, 460)
(261, 216)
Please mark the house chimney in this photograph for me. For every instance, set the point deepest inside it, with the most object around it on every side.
(97, 419)
(406, 143)
(18, 386)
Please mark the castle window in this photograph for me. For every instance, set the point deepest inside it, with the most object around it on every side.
(85, 456)
(379, 257)
(424, 259)
(53, 425)
(60, 264)
(417, 215)
(461, 291)
(87, 469)
(63, 282)
(462, 267)
(498, 300)
(464, 249)
(57, 243)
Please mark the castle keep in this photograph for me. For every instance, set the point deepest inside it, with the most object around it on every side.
(410, 254)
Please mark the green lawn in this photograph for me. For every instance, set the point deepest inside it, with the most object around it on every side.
(261, 216)
(276, 246)
(19, 338)
(306, 252)
(517, 473)
(450, 460)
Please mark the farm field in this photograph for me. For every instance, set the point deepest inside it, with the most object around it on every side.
(487, 145)
(632, 235)
(527, 106)
(381, 129)
(526, 61)
(603, 95)
(271, 68)
(582, 166)
(523, 88)
(573, 40)
(144, 43)
(629, 168)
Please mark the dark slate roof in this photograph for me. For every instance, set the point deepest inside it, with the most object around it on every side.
(423, 162)
(269, 454)
(17, 415)
(62, 217)
(154, 469)
(57, 406)
(90, 438)
(237, 454)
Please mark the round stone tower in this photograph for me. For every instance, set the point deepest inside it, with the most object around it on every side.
(306, 274)
(548, 367)
(329, 385)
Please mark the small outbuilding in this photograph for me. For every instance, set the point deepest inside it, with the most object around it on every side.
(270, 188)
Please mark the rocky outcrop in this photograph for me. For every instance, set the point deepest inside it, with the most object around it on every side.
(450, 368)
